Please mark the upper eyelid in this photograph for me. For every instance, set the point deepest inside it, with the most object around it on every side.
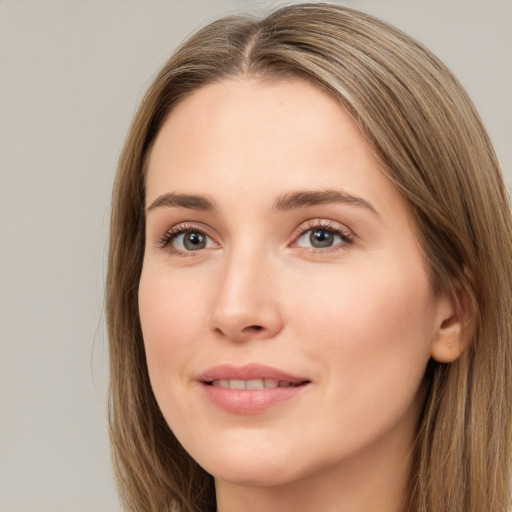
(322, 223)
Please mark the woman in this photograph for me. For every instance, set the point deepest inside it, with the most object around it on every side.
(309, 285)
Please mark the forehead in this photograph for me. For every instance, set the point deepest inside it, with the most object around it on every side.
(250, 138)
(242, 115)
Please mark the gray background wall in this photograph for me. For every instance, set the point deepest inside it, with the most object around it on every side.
(71, 75)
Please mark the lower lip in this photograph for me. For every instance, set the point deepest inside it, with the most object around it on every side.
(250, 401)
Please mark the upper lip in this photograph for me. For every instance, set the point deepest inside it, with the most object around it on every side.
(251, 371)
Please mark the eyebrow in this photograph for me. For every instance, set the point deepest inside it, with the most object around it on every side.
(290, 201)
(191, 202)
(306, 198)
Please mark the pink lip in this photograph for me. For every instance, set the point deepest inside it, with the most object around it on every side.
(249, 401)
(248, 372)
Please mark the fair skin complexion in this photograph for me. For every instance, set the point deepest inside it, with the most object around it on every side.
(328, 287)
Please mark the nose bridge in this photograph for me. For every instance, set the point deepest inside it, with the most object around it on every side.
(245, 302)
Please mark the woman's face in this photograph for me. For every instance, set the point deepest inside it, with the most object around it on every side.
(285, 305)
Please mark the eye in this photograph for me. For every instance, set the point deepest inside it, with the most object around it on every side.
(183, 239)
(191, 241)
(324, 236)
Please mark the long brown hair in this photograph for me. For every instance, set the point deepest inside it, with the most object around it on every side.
(432, 145)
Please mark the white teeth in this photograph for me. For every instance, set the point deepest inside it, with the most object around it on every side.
(237, 384)
(250, 384)
(254, 384)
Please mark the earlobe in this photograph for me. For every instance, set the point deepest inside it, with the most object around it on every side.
(454, 328)
(447, 345)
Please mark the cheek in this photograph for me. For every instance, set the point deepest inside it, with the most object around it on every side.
(370, 326)
(368, 334)
(171, 319)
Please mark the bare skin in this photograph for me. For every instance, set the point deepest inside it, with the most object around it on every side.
(274, 239)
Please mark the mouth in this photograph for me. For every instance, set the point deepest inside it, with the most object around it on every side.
(250, 376)
(251, 388)
(254, 383)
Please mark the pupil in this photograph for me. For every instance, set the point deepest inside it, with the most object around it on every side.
(320, 238)
(194, 241)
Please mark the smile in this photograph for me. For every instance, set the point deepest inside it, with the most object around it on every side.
(253, 384)
(250, 388)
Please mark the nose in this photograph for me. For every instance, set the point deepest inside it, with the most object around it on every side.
(246, 303)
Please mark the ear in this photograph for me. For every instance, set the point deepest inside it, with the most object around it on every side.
(454, 326)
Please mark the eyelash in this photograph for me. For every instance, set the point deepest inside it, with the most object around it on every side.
(178, 230)
(344, 233)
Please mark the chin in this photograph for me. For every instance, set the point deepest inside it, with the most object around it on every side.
(252, 468)
(252, 475)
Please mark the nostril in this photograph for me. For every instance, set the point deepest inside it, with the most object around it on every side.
(253, 328)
